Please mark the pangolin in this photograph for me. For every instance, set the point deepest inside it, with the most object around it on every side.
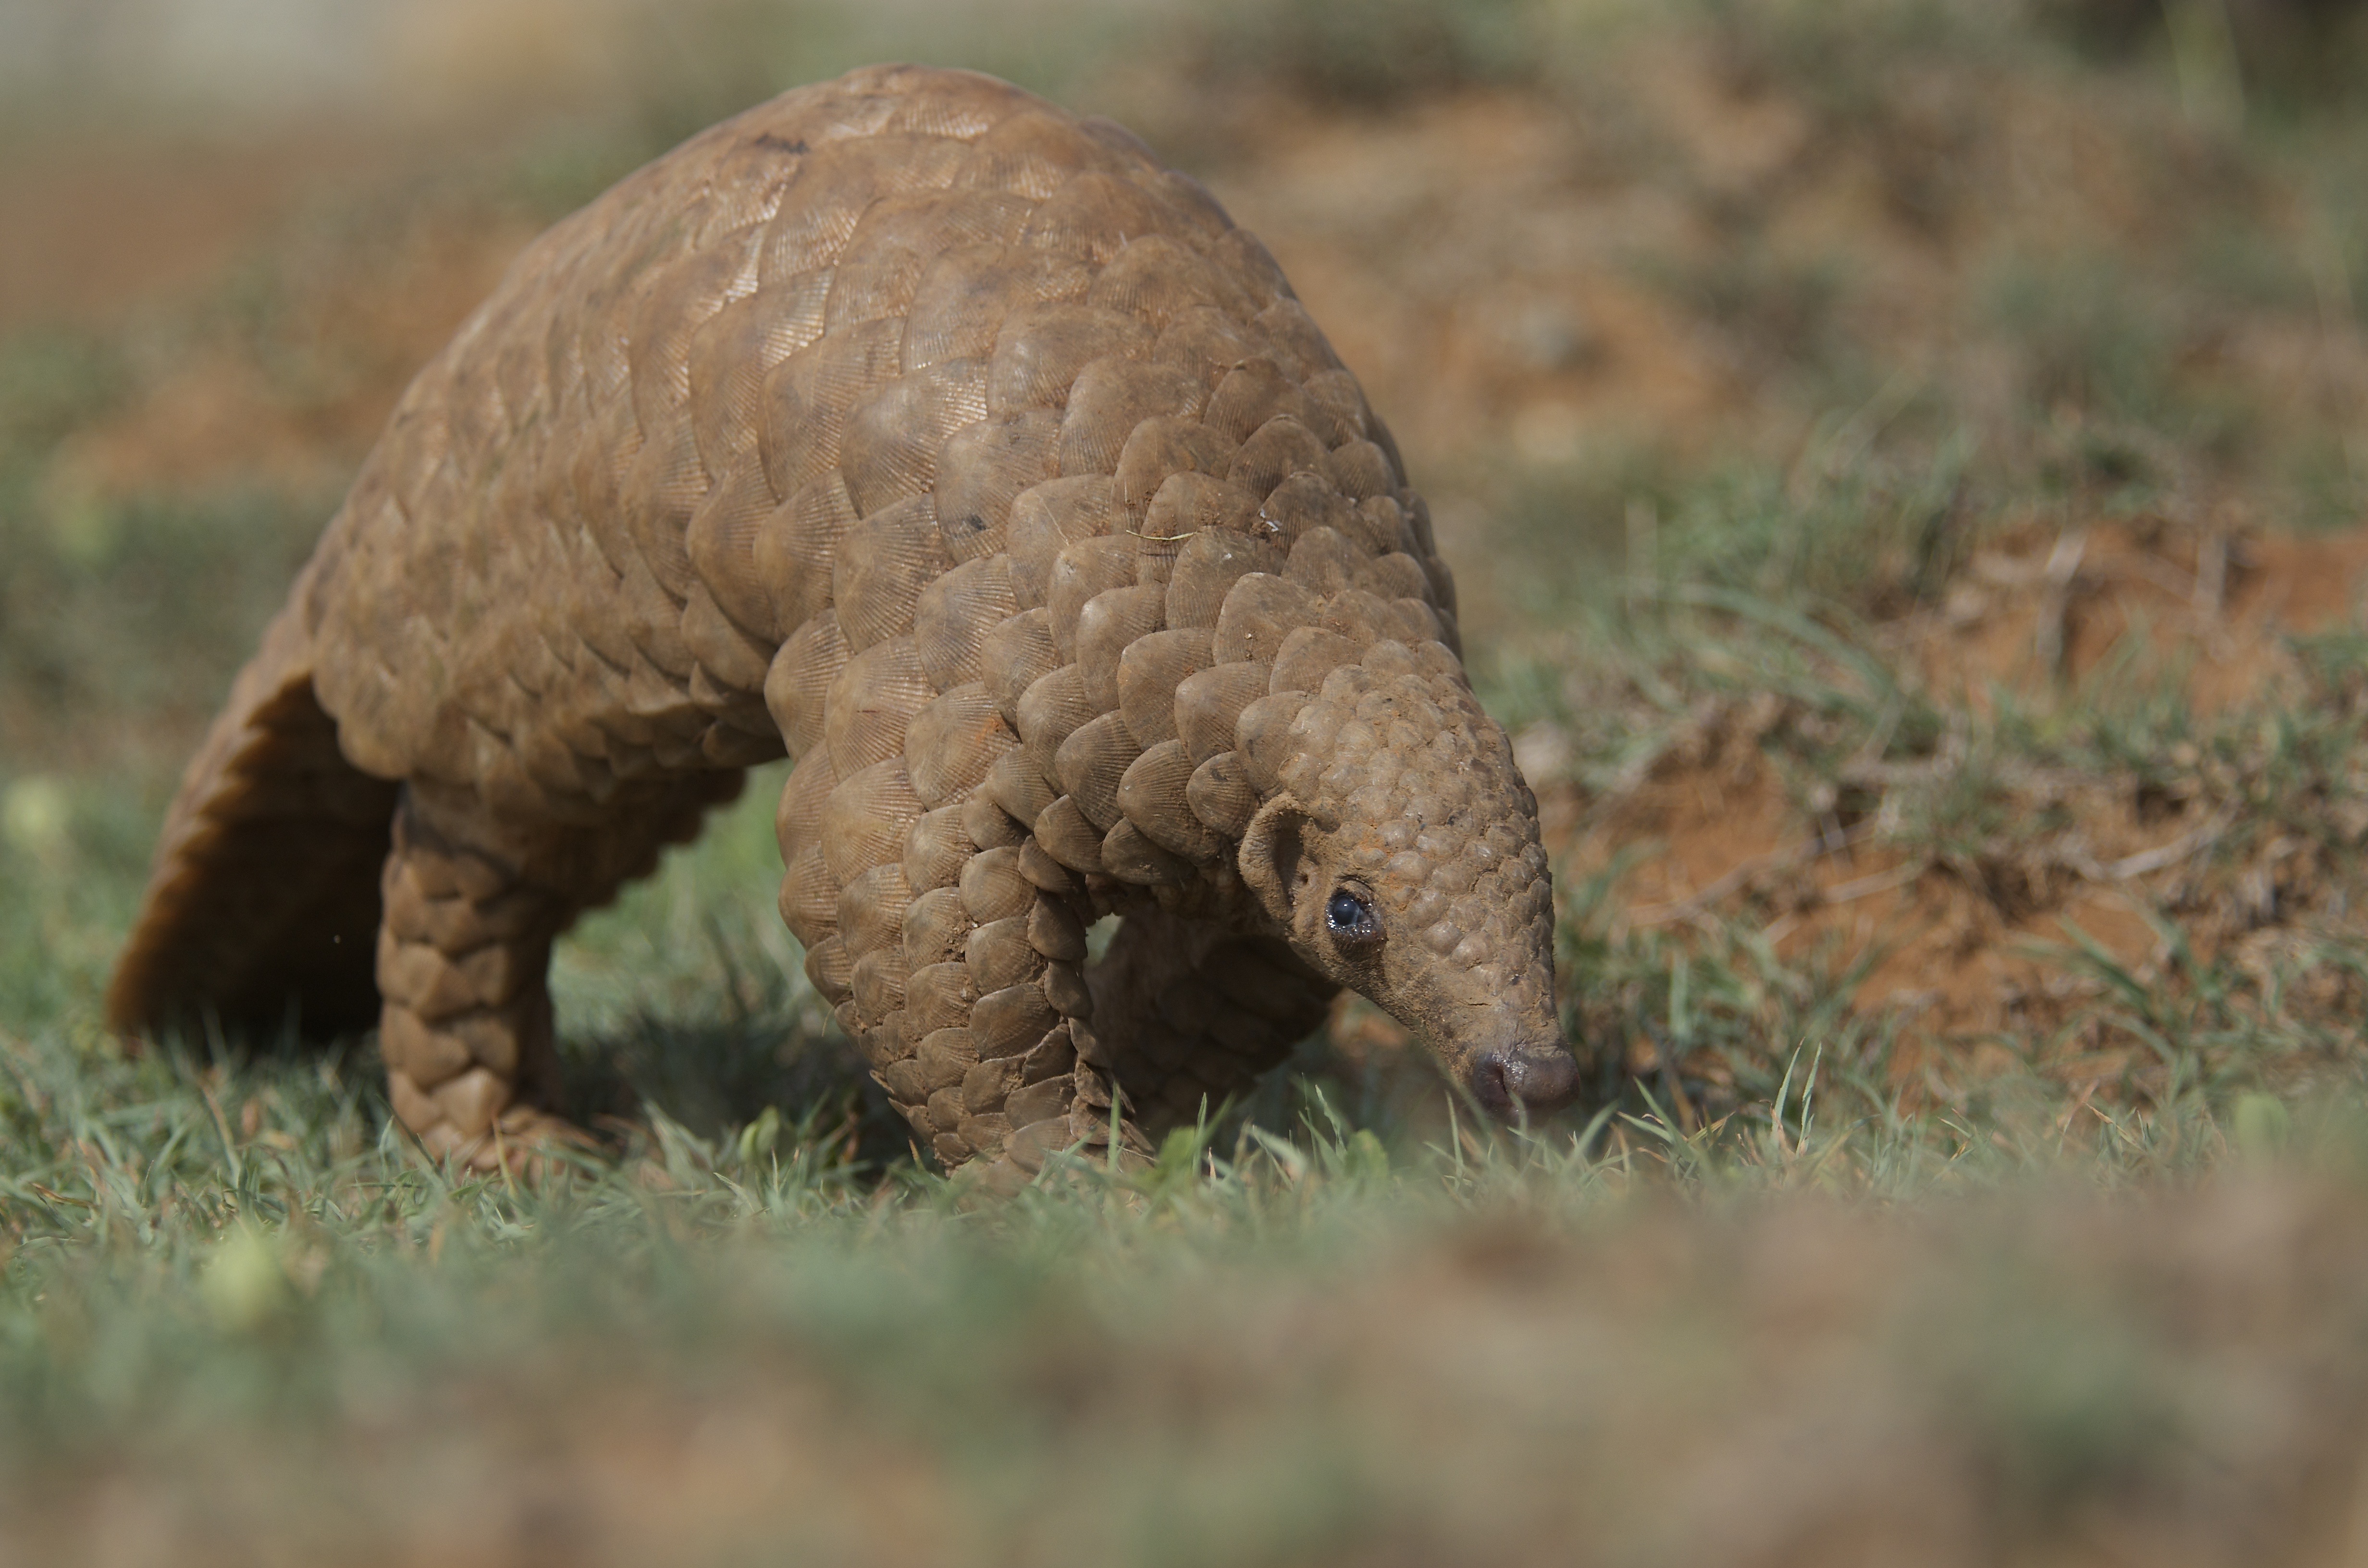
(955, 447)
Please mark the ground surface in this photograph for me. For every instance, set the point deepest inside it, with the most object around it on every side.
(1905, 465)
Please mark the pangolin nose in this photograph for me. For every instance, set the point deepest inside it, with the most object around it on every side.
(1533, 1078)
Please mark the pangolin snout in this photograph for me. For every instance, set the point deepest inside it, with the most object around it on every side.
(1527, 1079)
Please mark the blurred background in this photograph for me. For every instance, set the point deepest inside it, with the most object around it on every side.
(1905, 463)
(1864, 307)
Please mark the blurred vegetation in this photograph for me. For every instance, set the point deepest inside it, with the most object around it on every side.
(1962, 291)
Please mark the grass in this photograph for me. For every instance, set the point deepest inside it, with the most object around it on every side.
(1845, 1255)
(237, 1314)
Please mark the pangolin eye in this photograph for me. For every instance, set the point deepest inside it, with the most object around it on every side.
(1350, 917)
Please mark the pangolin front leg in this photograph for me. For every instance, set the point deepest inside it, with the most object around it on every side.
(1190, 1013)
(954, 945)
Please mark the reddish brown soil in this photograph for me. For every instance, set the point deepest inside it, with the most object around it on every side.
(96, 226)
(2142, 591)
(1964, 956)
(101, 233)
(1480, 289)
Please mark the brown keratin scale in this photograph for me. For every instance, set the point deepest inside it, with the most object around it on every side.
(954, 447)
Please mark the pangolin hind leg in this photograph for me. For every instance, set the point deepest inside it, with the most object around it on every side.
(471, 908)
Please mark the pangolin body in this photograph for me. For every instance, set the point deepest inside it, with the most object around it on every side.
(954, 447)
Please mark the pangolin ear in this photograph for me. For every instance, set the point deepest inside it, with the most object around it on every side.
(1271, 853)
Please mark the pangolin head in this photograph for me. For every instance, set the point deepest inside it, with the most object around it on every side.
(1397, 846)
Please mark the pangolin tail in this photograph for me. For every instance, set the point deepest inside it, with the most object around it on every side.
(263, 907)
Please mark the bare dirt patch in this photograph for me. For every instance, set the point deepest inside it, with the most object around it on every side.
(1969, 944)
(1475, 274)
(2210, 612)
(94, 225)
(293, 407)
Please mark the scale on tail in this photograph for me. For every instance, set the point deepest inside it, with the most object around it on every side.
(954, 447)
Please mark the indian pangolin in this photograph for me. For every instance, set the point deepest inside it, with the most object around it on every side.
(954, 447)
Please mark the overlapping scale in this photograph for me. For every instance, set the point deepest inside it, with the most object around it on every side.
(954, 614)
